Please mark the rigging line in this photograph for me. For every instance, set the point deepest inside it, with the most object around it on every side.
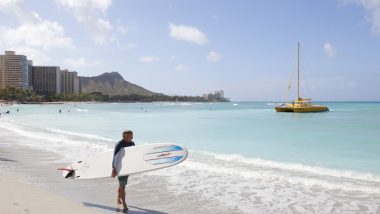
(287, 94)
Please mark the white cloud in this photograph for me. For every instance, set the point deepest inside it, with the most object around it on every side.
(33, 31)
(38, 57)
(81, 62)
(15, 9)
(8, 3)
(44, 34)
(92, 15)
(187, 33)
(329, 49)
(373, 12)
(213, 56)
(182, 67)
(149, 59)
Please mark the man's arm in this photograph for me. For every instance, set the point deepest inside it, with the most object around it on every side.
(115, 152)
(113, 173)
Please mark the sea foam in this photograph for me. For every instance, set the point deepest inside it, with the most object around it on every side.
(68, 144)
(260, 186)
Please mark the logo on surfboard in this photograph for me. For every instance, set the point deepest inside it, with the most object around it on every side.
(165, 155)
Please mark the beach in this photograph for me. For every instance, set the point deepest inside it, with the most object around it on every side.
(30, 183)
(19, 197)
(319, 174)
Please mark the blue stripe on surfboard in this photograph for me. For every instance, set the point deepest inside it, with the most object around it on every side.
(165, 149)
(165, 160)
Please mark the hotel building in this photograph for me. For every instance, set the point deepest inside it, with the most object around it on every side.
(13, 70)
(69, 81)
(46, 79)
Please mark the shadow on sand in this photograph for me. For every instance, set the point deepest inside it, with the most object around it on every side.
(132, 209)
(6, 159)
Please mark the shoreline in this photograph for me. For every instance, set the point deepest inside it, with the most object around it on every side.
(97, 102)
(35, 168)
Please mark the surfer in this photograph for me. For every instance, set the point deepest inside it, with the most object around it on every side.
(117, 156)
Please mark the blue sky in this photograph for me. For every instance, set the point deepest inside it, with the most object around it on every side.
(247, 48)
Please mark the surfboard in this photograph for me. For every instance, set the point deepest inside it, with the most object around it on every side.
(137, 159)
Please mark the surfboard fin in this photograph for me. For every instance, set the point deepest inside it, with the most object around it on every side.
(70, 173)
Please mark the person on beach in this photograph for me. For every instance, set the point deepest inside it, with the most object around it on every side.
(117, 156)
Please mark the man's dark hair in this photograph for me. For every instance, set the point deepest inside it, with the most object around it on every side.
(127, 132)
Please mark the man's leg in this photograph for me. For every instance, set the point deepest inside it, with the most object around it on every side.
(122, 196)
(123, 181)
(118, 200)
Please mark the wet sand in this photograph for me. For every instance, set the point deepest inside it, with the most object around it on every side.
(34, 171)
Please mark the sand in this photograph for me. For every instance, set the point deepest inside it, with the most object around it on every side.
(19, 197)
(30, 183)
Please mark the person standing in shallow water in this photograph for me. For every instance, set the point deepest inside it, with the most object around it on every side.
(117, 157)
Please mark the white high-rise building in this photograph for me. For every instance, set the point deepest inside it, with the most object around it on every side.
(13, 70)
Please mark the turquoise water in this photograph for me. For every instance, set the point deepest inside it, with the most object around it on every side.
(346, 138)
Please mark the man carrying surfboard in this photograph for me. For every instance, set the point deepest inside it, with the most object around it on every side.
(117, 157)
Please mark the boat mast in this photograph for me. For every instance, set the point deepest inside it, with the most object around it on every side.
(298, 91)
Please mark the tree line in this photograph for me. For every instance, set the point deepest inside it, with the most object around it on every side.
(29, 96)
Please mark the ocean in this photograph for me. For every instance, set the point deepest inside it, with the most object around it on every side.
(243, 154)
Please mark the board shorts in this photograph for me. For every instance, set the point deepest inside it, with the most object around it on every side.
(123, 180)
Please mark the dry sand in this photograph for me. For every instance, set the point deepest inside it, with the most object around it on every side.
(19, 197)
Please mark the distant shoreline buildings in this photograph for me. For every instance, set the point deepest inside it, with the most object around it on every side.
(19, 72)
(216, 96)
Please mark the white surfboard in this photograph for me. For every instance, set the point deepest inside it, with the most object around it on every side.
(137, 159)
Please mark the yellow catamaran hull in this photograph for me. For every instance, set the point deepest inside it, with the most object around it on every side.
(313, 108)
(302, 109)
(288, 107)
(284, 108)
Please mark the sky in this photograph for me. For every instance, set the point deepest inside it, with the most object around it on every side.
(246, 48)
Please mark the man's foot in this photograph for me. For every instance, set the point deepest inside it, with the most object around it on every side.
(118, 210)
(125, 206)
